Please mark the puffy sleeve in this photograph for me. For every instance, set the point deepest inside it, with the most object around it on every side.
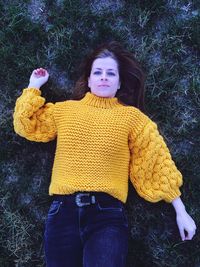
(32, 118)
(152, 171)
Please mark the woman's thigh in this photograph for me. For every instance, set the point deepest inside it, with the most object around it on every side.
(62, 242)
(106, 238)
(106, 247)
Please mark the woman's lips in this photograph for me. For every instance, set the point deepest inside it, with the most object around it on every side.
(103, 85)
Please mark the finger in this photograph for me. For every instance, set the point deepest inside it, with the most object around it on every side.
(36, 71)
(39, 69)
(46, 72)
(190, 235)
(182, 233)
(39, 72)
(42, 71)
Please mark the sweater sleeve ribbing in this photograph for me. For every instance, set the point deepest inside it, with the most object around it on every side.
(152, 171)
(32, 118)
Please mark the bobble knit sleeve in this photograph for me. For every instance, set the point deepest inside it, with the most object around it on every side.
(152, 171)
(33, 119)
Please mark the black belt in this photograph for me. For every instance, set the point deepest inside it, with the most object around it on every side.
(85, 198)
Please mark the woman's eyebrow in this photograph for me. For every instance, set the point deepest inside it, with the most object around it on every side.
(101, 69)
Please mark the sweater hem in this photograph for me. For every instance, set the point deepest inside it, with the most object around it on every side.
(63, 189)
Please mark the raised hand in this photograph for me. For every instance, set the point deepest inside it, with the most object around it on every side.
(38, 77)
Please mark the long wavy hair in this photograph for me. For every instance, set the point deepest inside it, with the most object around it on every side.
(131, 75)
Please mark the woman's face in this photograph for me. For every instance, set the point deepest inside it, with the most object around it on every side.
(104, 77)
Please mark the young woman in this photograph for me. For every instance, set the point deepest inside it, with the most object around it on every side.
(103, 138)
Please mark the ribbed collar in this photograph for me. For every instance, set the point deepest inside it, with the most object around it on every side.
(91, 99)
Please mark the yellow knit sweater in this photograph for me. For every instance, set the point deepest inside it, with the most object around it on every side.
(100, 144)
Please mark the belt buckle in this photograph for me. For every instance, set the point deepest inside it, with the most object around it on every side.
(78, 199)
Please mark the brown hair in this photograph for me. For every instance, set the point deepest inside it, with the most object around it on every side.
(131, 75)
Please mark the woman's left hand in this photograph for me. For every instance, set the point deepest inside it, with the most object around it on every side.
(185, 223)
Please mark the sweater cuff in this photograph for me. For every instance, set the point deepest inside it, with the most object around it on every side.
(32, 90)
(172, 195)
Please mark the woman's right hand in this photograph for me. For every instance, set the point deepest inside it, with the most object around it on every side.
(38, 77)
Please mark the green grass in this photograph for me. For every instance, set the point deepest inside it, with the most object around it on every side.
(164, 36)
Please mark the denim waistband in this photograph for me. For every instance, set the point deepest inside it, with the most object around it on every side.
(98, 196)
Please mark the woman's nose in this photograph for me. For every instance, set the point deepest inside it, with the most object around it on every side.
(103, 76)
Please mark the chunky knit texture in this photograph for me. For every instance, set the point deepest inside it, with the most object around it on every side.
(100, 144)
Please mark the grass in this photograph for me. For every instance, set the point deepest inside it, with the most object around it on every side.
(164, 36)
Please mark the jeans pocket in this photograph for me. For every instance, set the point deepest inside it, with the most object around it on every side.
(54, 208)
(115, 209)
(103, 205)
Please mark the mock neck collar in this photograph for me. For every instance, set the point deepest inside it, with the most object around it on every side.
(91, 99)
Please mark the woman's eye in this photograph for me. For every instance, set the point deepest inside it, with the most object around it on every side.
(108, 73)
(111, 73)
(97, 72)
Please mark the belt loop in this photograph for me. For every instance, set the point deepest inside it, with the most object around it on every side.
(93, 199)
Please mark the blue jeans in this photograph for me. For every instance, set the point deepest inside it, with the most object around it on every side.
(93, 235)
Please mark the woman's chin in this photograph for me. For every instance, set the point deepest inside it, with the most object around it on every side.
(102, 94)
